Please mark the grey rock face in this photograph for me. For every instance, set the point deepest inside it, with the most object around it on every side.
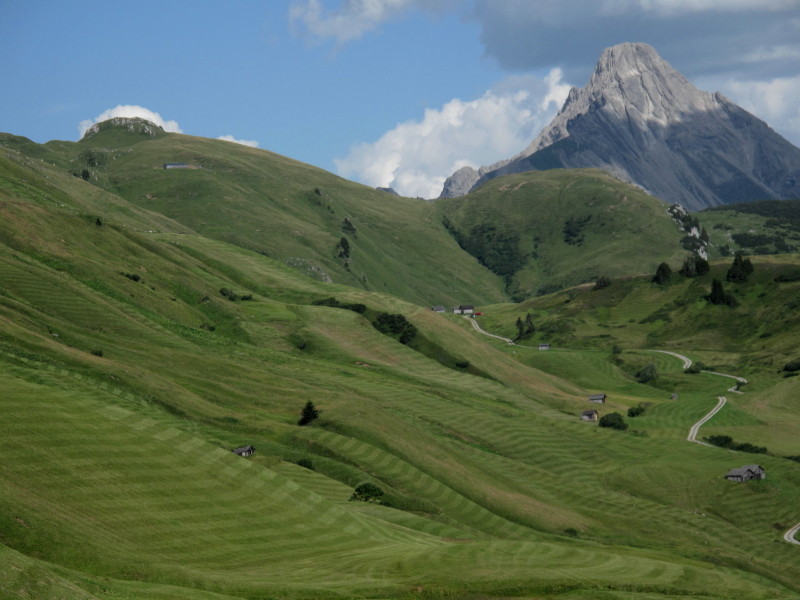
(466, 178)
(131, 124)
(643, 122)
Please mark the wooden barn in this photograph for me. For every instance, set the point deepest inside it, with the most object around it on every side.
(590, 415)
(599, 398)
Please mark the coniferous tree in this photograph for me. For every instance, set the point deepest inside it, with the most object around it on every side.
(689, 268)
(740, 270)
(704, 235)
(718, 294)
(702, 266)
(663, 274)
(309, 414)
(520, 328)
(529, 326)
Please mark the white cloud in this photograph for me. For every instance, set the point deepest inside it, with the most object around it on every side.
(230, 138)
(677, 7)
(130, 111)
(774, 101)
(353, 18)
(417, 156)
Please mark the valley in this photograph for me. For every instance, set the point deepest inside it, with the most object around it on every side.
(152, 320)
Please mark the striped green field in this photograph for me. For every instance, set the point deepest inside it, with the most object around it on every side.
(127, 377)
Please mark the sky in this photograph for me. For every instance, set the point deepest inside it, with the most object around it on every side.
(390, 93)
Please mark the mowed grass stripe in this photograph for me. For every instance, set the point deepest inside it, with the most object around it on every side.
(431, 489)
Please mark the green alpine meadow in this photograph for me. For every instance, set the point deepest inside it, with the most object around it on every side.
(222, 378)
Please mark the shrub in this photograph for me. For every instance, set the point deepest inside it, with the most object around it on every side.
(792, 366)
(229, 294)
(647, 373)
(97, 352)
(306, 463)
(726, 441)
(613, 421)
(602, 282)
(367, 492)
(395, 325)
(635, 411)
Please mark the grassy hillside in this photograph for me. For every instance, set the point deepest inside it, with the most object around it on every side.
(316, 223)
(542, 231)
(127, 376)
(768, 227)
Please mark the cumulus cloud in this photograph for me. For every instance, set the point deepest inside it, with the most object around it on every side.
(748, 38)
(675, 7)
(353, 18)
(417, 156)
(772, 100)
(230, 138)
(130, 111)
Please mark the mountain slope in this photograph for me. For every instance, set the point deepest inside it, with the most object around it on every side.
(643, 122)
(548, 230)
(321, 225)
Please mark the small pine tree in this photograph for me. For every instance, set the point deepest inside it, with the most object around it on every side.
(704, 235)
(520, 328)
(740, 270)
(663, 274)
(689, 268)
(718, 294)
(309, 414)
(702, 266)
(530, 328)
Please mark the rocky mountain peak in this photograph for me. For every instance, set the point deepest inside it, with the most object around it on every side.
(645, 123)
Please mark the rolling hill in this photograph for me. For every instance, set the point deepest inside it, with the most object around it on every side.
(142, 339)
(546, 230)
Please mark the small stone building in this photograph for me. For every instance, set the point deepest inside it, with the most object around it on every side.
(589, 415)
(746, 473)
(599, 398)
(245, 451)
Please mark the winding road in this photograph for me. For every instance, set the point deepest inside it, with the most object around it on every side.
(789, 536)
(695, 429)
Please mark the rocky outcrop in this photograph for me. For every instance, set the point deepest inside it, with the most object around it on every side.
(645, 123)
(130, 124)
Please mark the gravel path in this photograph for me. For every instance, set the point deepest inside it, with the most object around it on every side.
(687, 362)
(695, 429)
(484, 332)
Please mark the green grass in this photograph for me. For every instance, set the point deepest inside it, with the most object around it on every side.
(116, 476)
(551, 229)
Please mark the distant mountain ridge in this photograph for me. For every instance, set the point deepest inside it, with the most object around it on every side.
(645, 123)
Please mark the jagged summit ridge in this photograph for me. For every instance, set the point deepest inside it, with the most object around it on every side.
(631, 81)
(130, 124)
(645, 123)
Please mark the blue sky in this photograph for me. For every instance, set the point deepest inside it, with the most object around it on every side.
(388, 92)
